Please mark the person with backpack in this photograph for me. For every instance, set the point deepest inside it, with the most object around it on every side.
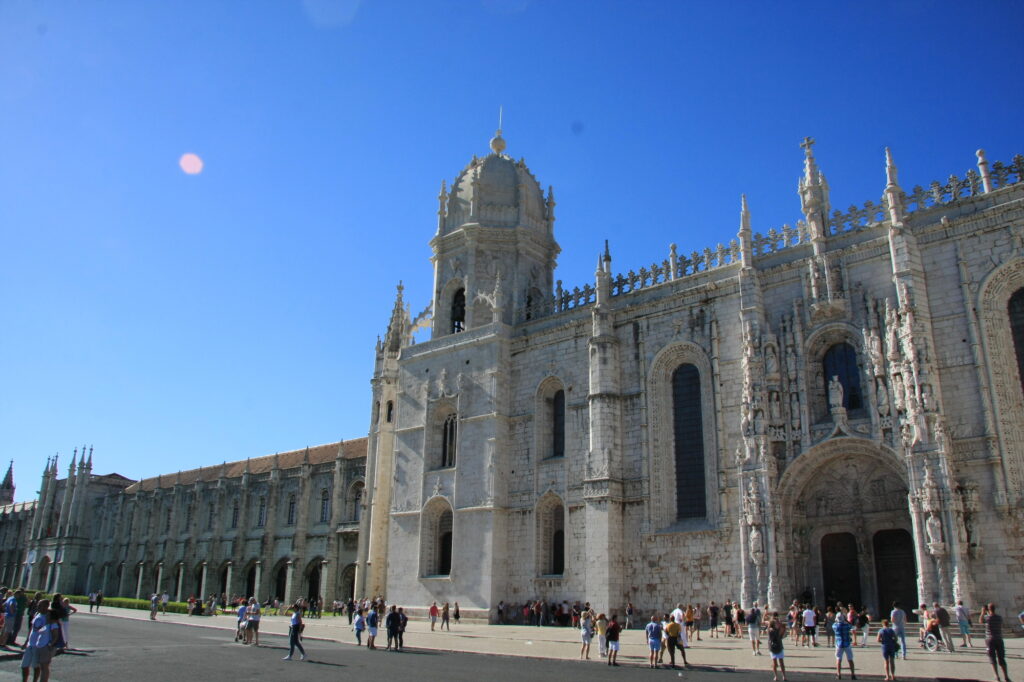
(776, 637)
(889, 640)
(753, 618)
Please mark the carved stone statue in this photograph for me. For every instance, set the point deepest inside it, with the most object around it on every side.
(882, 398)
(771, 361)
(934, 527)
(794, 411)
(835, 392)
(775, 407)
(791, 362)
(756, 546)
(899, 392)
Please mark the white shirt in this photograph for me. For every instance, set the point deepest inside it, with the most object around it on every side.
(677, 614)
(809, 618)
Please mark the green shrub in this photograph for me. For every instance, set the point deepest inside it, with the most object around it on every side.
(126, 603)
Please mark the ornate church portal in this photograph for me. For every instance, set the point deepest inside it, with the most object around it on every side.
(848, 520)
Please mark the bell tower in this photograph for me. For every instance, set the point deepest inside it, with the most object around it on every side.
(495, 238)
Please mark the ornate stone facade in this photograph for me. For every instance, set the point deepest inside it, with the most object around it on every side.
(830, 410)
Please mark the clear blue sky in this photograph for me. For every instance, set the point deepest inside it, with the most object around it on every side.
(176, 320)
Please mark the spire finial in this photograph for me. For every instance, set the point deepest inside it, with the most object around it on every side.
(890, 169)
(607, 252)
(810, 166)
(498, 142)
(744, 214)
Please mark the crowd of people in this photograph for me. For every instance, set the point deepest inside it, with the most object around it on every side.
(48, 633)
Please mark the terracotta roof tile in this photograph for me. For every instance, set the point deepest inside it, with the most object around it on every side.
(351, 449)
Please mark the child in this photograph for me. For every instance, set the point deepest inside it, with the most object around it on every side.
(360, 625)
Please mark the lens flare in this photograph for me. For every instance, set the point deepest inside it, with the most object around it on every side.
(191, 164)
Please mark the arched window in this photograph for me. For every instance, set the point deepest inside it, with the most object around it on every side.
(688, 430)
(558, 424)
(841, 361)
(291, 509)
(557, 540)
(325, 506)
(444, 543)
(1016, 312)
(261, 517)
(390, 412)
(449, 436)
(234, 516)
(357, 502)
(458, 311)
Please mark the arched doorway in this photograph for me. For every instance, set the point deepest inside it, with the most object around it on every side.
(313, 580)
(197, 583)
(839, 496)
(250, 581)
(281, 581)
(840, 569)
(896, 567)
(348, 582)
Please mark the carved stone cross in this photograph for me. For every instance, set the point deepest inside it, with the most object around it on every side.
(807, 143)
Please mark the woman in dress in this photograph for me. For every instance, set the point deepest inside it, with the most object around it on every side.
(586, 633)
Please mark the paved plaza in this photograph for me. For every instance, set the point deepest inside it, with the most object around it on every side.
(332, 639)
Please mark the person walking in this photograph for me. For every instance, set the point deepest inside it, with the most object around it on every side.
(942, 615)
(844, 645)
(653, 634)
(810, 622)
(899, 623)
(776, 639)
(888, 639)
(295, 633)
(434, 613)
(613, 640)
(994, 641)
(164, 598)
(963, 619)
(445, 622)
(154, 605)
(456, 614)
(92, 601)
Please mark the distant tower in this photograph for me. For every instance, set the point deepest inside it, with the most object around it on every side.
(7, 487)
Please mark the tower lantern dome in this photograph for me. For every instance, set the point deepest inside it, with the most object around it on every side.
(496, 191)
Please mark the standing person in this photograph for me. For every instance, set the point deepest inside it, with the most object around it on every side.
(164, 598)
(501, 612)
(810, 619)
(10, 615)
(444, 617)
(252, 617)
(601, 625)
(456, 614)
(698, 616)
(92, 600)
(613, 640)
(851, 615)
(99, 600)
(844, 645)
(994, 641)
(154, 605)
(713, 620)
(359, 624)
(889, 641)
(776, 638)
(371, 628)
(350, 608)
(688, 620)
(754, 629)
(944, 623)
(963, 619)
(65, 622)
(295, 633)
(242, 624)
(433, 615)
(391, 623)
(899, 623)
(586, 633)
(629, 615)
(38, 646)
(653, 634)
(403, 621)
(672, 630)
(730, 627)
